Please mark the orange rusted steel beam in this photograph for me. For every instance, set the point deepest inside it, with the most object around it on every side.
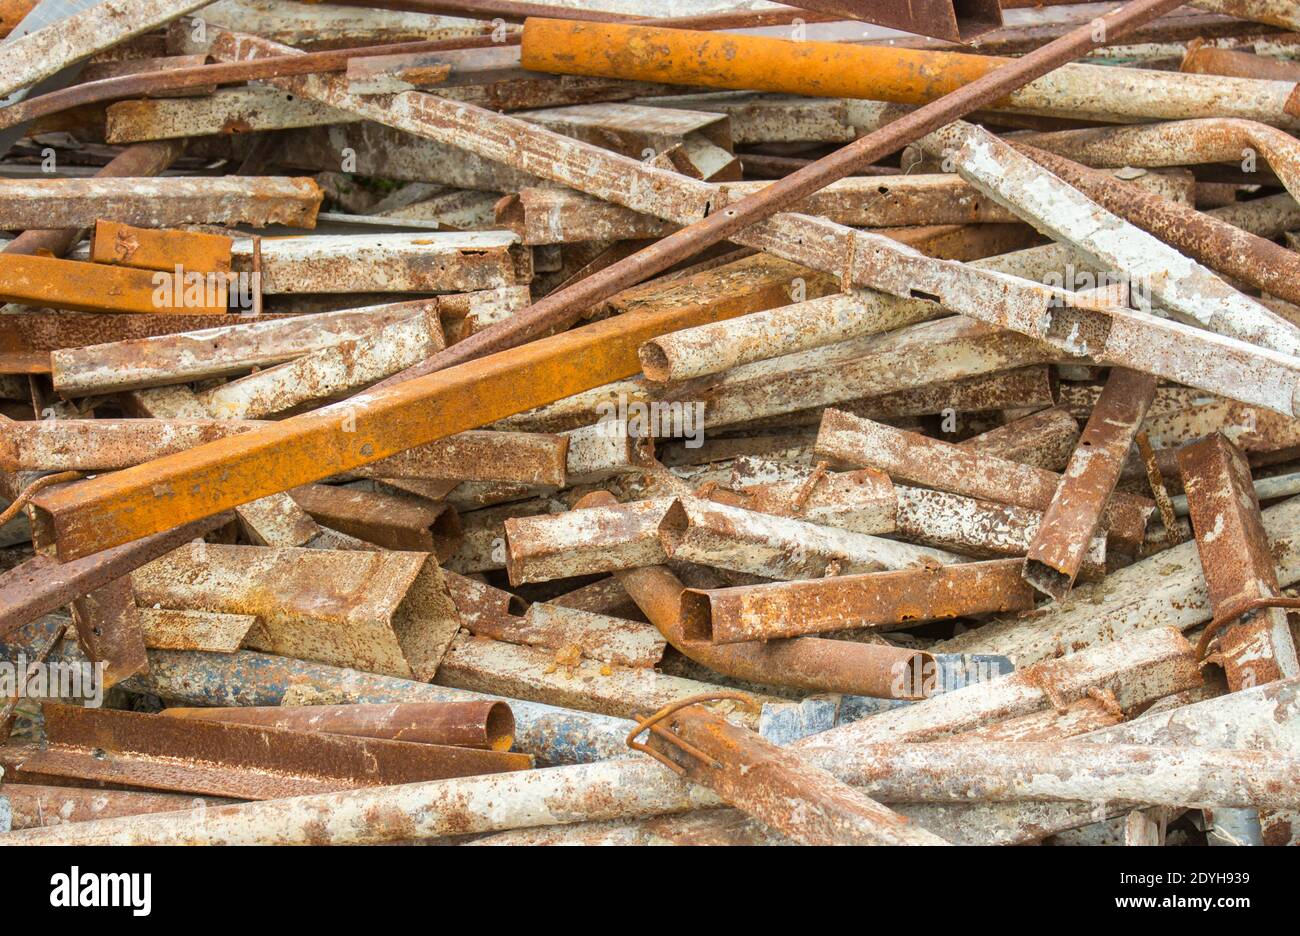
(150, 249)
(489, 725)
(878, 600)
(155, 496)
(92, 287)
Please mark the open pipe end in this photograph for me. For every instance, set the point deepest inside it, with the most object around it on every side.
(655, 363)
(500, 727)
(1047, 580)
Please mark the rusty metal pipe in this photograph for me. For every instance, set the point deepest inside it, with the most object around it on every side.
(1238, 563)
(1207, 60)
(772, 783)
(876, 600)
(1164, 590)
(1177, 143)
(917, 459)
(903, 76)
(964, 771)
(228, 759)
(1146, 669)
(336, 60)
(1075, 513)
(143, 159)
(486, 725)
(559, 308)
(809, 663)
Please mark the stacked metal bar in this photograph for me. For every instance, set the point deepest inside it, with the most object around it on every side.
(777, 427)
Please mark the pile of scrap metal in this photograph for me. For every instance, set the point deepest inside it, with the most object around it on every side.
(507, 423)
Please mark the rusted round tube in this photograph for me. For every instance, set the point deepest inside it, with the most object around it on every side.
(1219, 245)
(1207, 60)
(143, 159)
(37, 806)
(561, 308)
(488, 725)
(809, 663)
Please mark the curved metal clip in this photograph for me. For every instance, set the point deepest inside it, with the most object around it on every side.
(1235, 611)
(651, 724)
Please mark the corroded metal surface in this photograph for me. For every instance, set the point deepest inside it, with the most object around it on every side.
(147, 249)
(486, 725)
(387, 612)
(167, 358)
(1165, 590)
(943, 19)
(387, 520)
(880, 600)
(1255, 261)
(905, 76)
(227, 759)
(102, 444)
(43, 584)
(773, 784)
(774, 547)
(29, 203)
(597, 636)
(601, 539)
(808, 663)
(1238, 563)
(917, 459)
(36, 806)
(1044, 439)
(859, 501)
(172, 629)
(93, 287)
(1075, 514)
(43, 52)
(1054, 207)
(321, 374)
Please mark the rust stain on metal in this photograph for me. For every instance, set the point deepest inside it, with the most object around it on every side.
(1237, 562)
(1088, 482)
(241, 761)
